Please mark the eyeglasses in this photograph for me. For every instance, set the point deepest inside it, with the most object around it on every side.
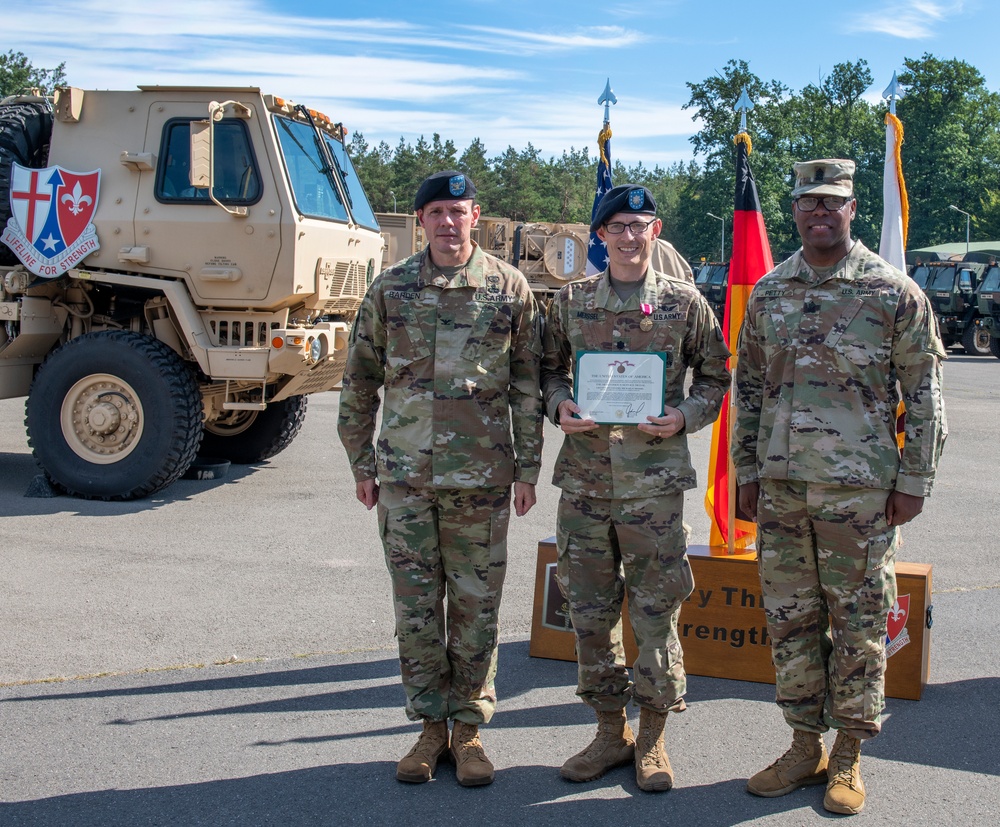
(637, 227)
(833, 203)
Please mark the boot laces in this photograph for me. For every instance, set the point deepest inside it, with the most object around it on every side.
(428, 744)
(795, 753)
(842, 769)
(471, 747)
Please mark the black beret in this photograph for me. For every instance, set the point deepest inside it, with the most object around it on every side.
(444, 186)
(624, 198)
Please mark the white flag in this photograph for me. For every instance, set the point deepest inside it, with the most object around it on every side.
(895, 208)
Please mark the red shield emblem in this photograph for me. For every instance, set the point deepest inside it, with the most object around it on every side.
(898, 615)
(76, 200)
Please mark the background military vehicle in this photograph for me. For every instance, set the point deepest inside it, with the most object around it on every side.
(988, 301)
(235, 244)
(549, 254)
(712, 280)
(951, 287)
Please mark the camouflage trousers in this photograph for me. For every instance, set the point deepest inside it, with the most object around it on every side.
(826, 559)
(607, 548)
(446, 551)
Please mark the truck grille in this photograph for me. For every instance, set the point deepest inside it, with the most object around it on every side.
(344, 283)
(242, 329)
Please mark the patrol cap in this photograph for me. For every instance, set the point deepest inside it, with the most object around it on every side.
(623, 198)
(444, 186)
(829, 176)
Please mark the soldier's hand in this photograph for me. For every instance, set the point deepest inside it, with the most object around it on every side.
(524, 498)
(570, 424)
(669, 424)
(367, 493)
(746, 496)
(901, 508)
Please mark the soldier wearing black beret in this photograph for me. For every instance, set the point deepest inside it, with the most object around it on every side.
(623, 472)
(449, 338)
(444, 186)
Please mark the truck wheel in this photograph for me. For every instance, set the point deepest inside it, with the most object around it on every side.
(995, 347)
(244, 437)
(25, 130)
(976, 341)
(114, 416)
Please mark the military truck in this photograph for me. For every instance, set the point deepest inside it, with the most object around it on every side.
(951, 287)
(178, 272)
(988, 301)
(713, 280)
(549, 254)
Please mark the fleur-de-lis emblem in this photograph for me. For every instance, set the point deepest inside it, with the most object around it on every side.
(76, 199)
(897, 612)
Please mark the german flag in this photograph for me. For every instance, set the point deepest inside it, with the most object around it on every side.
(751, 259)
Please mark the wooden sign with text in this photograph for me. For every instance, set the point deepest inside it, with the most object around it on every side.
(722, 625)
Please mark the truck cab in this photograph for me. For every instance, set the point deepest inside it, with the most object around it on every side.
(988, 302)
(228, 245)
(951, 287)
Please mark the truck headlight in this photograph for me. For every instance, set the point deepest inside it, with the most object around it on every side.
(317, 349)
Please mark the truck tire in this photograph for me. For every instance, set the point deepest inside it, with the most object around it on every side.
(114, 415)
(976, 340)
(245, 437)
(25, 130)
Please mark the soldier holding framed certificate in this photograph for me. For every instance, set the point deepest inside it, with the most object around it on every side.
(617, 338)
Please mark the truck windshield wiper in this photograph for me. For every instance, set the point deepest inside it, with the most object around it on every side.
(329, 162)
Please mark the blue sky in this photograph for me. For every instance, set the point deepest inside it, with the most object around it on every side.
(505, 71)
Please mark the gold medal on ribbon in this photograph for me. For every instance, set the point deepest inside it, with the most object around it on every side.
(646, 323)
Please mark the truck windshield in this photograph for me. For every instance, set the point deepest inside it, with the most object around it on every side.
(943, 278)
(313, 184)
(919, 274)
(360, 208)
(992, 280)
(313, 189)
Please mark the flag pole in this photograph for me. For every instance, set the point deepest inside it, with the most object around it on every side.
(743, 105)
(597, 252)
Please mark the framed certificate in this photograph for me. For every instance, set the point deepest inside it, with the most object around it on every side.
(619, 388)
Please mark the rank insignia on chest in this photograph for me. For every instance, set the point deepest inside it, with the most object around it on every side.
(619, 345)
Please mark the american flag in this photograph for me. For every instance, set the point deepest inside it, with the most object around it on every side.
(597, 254)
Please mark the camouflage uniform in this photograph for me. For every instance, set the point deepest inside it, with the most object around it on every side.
(819, 360)
(622, 489)
(458, 361)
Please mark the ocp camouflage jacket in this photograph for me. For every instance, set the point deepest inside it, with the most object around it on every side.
(818, 364)
(458, 361)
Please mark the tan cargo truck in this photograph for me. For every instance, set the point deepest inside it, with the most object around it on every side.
(179, 268)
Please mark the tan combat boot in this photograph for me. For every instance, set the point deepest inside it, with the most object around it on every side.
(613, 747)
(420, 762)
(472, 767)
(845, 794)
(652, 767)
(803, 764)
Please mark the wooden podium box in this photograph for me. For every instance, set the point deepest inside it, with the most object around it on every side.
(722, 626)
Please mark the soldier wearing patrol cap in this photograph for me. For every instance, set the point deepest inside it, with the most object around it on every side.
(453, 337)
(620, 527)
(832, 338)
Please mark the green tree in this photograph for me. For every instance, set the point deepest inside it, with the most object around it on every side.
(374, 170)
(17, 75)
(474, 163)
(713, 190)
(832, 120)
(951, 149)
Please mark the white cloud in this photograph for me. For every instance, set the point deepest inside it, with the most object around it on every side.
(910, 20)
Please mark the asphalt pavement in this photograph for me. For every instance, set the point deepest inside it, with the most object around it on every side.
(222, 654)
